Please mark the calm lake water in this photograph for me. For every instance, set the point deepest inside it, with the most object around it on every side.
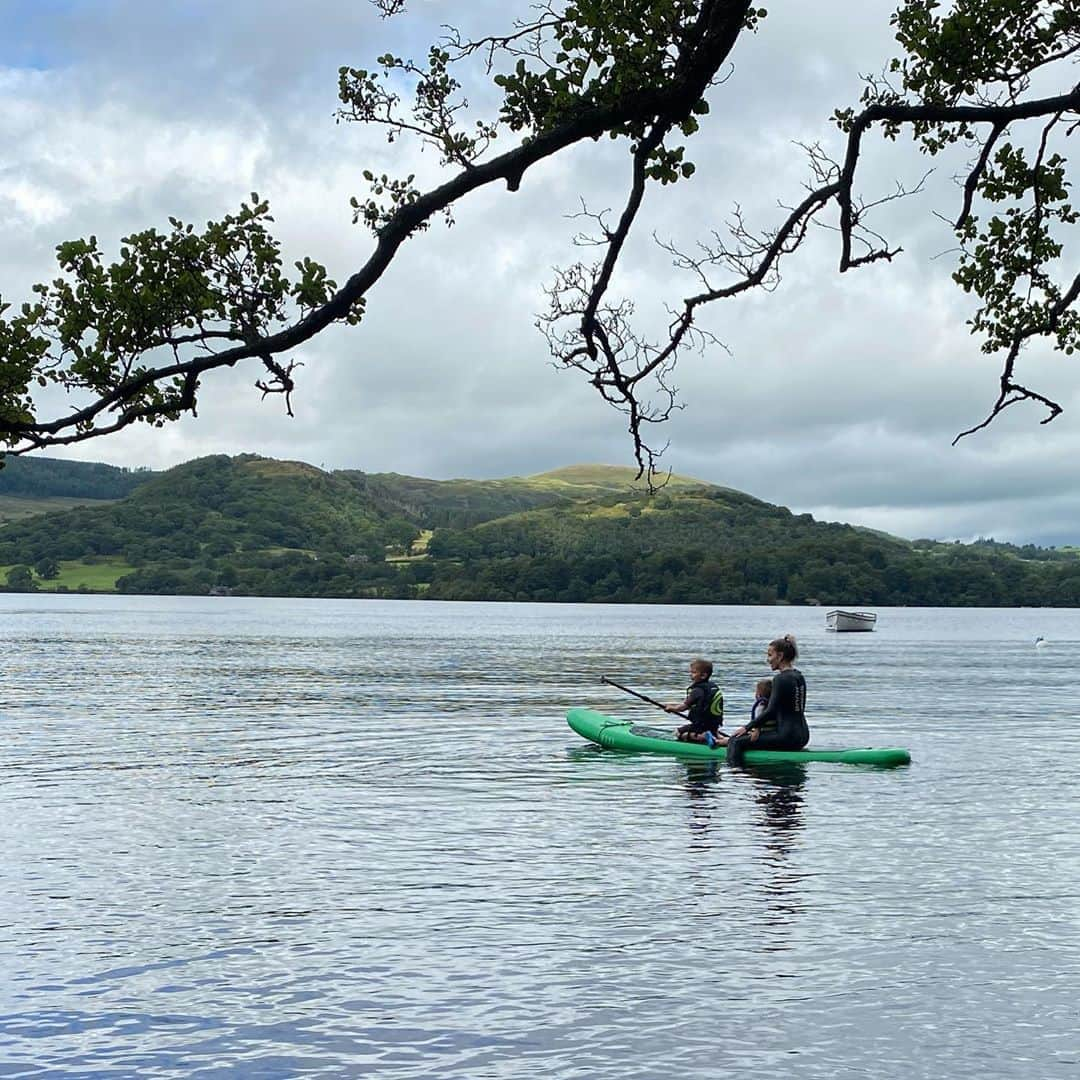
(282, 838)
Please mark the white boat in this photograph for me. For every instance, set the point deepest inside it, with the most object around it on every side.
(850, 620)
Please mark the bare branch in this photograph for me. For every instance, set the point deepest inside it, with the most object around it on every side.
(495, 43)
(282, 380)
(1012, 392)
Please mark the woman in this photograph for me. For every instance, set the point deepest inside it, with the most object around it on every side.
(781, 725)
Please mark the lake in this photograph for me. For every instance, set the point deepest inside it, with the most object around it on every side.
(279, 838)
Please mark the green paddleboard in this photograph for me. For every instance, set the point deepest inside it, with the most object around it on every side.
(615, 734)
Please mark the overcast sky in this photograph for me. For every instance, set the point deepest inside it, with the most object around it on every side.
(836, 395)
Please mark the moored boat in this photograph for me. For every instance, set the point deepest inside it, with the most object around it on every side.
(617, 734)
(850, 620)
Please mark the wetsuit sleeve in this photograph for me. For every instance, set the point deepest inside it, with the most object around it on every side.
(694, 697)
(689, 700)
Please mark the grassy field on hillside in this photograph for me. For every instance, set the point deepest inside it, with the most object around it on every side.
(614, 478)
(75, 576)
(18, 507)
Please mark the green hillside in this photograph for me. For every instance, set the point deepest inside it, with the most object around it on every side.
(46, 478)
(448, 503)
(716, 545)
(255, 526)
(18, 507)
(195, 526)
(702, 545)
(463, 503)
(43, 485)
(590, 481)
(30, 486)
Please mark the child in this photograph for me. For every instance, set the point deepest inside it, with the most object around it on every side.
(704, 706)
(762, 690)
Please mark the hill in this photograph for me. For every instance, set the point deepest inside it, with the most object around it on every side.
(30, 486)
(18, 507)
(704, 545)
(589, 481)
(43, 478)
(43, 485)
(179, 531)
(255, 526)
(463, 503)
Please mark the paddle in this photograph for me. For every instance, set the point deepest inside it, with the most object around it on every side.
(634, 693)
(651, 701)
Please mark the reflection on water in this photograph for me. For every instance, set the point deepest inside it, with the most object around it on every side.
(281, 838)
(704, 814)
(779, 796)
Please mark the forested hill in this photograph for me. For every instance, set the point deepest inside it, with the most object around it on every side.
(42, 478)
(188, 517)
(254, 526)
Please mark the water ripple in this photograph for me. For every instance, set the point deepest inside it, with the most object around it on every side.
(282, 838)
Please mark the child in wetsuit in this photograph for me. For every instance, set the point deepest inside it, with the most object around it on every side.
(762, 690)
(703, 705)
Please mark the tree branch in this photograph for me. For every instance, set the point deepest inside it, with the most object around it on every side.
(1012, 392)
(630, 69)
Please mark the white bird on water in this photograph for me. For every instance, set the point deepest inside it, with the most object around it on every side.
(1041, 643)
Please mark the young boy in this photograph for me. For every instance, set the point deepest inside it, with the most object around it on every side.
(704, 706)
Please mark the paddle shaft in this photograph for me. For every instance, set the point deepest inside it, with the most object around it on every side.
(634, 693)
(651, 701)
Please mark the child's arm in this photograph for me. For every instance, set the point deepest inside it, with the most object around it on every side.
(692, 695)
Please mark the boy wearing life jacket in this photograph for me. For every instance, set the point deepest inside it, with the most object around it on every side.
(704, 707)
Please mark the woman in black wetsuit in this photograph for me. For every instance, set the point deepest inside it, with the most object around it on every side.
(781, 725)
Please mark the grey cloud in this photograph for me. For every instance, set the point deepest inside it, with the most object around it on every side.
(841, 395)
